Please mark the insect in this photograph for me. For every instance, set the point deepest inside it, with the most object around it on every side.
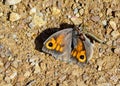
(69, 45)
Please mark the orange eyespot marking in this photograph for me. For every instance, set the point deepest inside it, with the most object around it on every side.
(61, 49)
(51, 44)
(59, 39)
(81, 56)
(58, 47)
(74, 53)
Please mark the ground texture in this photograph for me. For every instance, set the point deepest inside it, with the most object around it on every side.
(26, 24)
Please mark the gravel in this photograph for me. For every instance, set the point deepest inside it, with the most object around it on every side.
(26, 24)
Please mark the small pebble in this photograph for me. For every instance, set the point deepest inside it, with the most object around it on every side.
(31, 25)
(55, 11)
(76, 20)
(1, 36)
(81, 11)
(95, 18)
(43, 66)
(113, 25)
(115, 34)
(15, 64)
(117, 50)
(118, 41)
(85, 77)
(12, 2)
(62, 78)
(37, 21)
(33, 11)
(69, 16)
(7, 79)
(109, 11)
(109, 42)
(75, 10)
(27, 73)
(101, 15)
(32, 61)
(28, 34)
(14, 36)
(14, 7)
(99, 63)
(77, 15)
(1, 14)
(114, 78)
(118, 14)
(14, 16)
(13, 75)
(37, 68)
(114, 43)
(104, 22)
(8, 53)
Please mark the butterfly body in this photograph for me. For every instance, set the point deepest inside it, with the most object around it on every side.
(69, 45)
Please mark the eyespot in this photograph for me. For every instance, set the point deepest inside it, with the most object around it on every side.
(81, 56)
(51, 44)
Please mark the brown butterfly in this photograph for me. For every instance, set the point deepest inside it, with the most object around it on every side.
(69, 45)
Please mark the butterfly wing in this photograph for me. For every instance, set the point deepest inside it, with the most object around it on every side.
(88, 47)
(59, 44)
(82, 50)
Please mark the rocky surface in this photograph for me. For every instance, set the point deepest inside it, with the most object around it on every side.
(24, 26)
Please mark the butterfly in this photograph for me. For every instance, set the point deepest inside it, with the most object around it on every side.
(69, 45)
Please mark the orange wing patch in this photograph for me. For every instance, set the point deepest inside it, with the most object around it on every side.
(79, 52)
(59, 39)
(55, 43)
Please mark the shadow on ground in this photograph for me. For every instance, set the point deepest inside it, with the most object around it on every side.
(46, 33)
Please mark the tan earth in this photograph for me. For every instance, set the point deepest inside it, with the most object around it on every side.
(26, 24)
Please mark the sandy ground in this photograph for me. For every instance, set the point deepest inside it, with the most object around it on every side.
(24, 27)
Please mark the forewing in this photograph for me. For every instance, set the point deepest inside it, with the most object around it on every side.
(59, 44)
